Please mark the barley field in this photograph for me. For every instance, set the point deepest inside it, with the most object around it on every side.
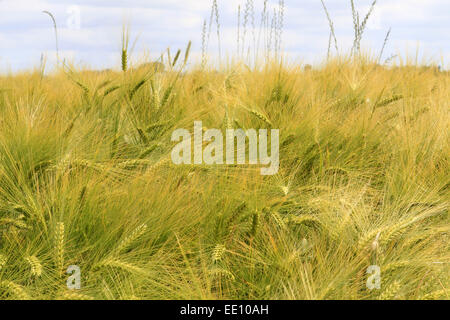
(87, 180)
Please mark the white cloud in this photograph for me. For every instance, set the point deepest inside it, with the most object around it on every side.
(25, 32)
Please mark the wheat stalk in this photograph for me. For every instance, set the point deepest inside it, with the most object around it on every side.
(116, 263)
(331, 25)
(228, 121)
(364, 241)
(259, 115)
(255, 223)
(139, 231)
(238, 28)
(218, 272)
(35, 265)
(261, 25)
(17, 290)
(211, 16)
(218, 253)
(279, 220)
(125, 42)
(329, 46)
(110, 90)
(59, 246)
(71, 295)
(3, 260)
(204, 44)
(244, 26)
(56, 34)
(186, 53)
(355, 25)
(216, 10)
(436, 295)
(252, 19)
(384, 44)
(235, 214)
(362, 27)
(388, 101)
(177, 56)
(135, 89)
(272, 36)
(391, 291)
(18, 223)
(304, 218)
(395, 265)
(280, 23)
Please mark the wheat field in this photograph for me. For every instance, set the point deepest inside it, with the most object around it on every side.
(86, 179)
(92, 205)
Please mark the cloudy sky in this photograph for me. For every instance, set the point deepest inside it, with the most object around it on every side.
(89, 31)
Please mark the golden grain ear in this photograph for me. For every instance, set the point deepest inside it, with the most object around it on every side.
(35, 265)
(134, 235)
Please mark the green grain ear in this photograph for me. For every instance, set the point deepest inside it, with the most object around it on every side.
(187, 52)
(125, 43)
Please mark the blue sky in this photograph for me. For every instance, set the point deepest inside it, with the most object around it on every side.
(26, 33)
